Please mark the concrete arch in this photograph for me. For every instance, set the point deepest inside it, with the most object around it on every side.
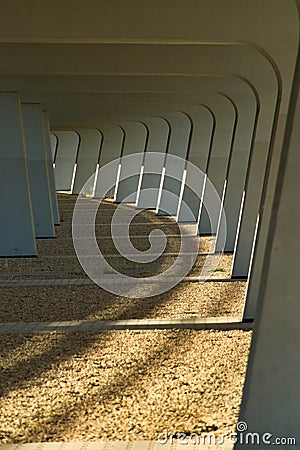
(202, 59)
(245, 28)
(264, 84)
(279, 57)
(210, 82)
(228, 33)
(180, 149)
(247, 104)
(243, 94)
(244, 22)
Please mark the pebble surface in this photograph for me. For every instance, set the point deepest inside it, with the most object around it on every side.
(125, 385)
(117, 385)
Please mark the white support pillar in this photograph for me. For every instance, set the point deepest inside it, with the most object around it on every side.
(244, 62)
(159, 134)
(263, 145)
(38, 170)
(49, 155)
(271, 395)
(53, 143)
(16, 224)
(65, 161)
(247, 106)
(201, 142)
(88, 157)
(219, 159)
(112, 147)
(265, 214)
(181, 133)
(129, 175)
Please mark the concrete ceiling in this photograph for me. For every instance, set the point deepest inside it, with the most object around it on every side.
(105, 58)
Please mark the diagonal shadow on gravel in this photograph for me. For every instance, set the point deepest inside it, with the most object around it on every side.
(19, 374)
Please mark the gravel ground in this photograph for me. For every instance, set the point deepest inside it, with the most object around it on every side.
(65, 229)
(71, 266)
(104, 215)
(59, 303)
(120, 385)
(61, 247)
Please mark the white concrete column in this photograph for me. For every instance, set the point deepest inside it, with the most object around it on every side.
(159, 134)
(219, 159)
(271, 395)
(248, 111)
(16, 224)
(265, 215)
(263, 147)
(181, 133)
(201, 142)
(65, 160)
(135, 142)
(88, 157)
(112, 147)
(53, 143)
(49, 154)
(38, 170)
(242, 61)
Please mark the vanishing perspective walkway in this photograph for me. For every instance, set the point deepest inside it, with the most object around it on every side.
(80, 364)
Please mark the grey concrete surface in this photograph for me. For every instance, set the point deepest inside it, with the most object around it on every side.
(37, 163)
(16, 225)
